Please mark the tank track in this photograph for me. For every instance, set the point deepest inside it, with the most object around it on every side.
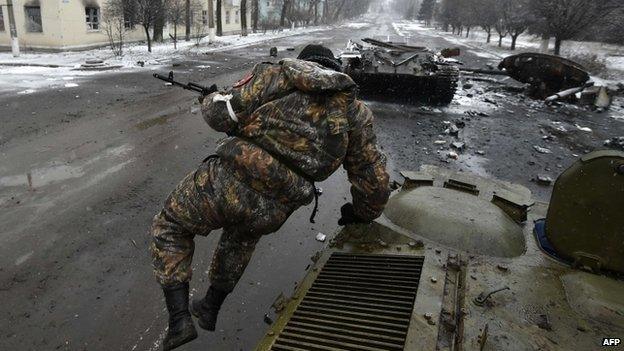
(445, 85)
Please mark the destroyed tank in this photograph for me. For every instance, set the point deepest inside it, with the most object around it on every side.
(547, 74)
(461, 262)
(392, 71)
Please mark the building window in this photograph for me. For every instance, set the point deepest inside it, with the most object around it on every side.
(236, 17)
(92, 15)
(205, 17)
(33, 19)
(129, 9)
(227, 17)
(1, 20)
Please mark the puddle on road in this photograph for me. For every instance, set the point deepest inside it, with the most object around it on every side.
(462, 103)
(23, 258)
(55, 173)
(43, 176)
(475, 164)
(153, 122)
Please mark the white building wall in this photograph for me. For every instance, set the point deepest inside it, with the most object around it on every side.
(65, 28)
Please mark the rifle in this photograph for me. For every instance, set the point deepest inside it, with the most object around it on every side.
(204, 91)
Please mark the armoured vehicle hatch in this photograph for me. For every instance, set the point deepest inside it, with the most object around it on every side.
(388, 70)
(435, 274)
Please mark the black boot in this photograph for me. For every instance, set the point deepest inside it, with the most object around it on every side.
(207, 309)
(181, 328)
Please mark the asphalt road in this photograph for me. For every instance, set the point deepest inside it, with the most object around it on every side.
(75, 272)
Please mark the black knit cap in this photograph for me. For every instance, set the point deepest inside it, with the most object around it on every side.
(320, 55)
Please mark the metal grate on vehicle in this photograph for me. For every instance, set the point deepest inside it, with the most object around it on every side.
(357, 302)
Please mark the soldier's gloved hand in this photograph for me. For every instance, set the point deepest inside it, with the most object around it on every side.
(348, 215)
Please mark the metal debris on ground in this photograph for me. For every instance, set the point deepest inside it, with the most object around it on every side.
(460, 146)
(476, 113)
(603, 100)
(615, 143)
(440, 142)
(453, 155)
(452, 130)
(480, 152)
(321, 237)
(583, 129)
(543, 322)
(568, 93)
(543, 179)
(542, 150)
(450, 52)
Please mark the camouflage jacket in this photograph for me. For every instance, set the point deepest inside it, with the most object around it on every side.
(297, 123)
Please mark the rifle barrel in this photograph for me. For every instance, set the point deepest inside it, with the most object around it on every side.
(188, 86)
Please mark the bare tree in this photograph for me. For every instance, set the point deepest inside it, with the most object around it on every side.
(197, 23)
(147, 11)
(316, 12)
(426, 11)
(449, 15)
(285, 13)
(176, 11)
(467, 14)
(488, 13)
(255, 13)
(219, 18)
(187, 20)
(566, 19)
(113, 24)
(501, 30)
(517, 18)
(159, 25)
(243, 17)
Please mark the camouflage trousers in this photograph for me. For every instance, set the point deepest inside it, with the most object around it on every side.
(207, 199)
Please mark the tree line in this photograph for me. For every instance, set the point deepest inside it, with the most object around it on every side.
(152, 15)
(559, 19)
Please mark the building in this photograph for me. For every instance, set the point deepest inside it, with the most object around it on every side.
(269, 12)
(77, 24)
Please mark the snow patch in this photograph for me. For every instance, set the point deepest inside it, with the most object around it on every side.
(357, 25)
(484, 54)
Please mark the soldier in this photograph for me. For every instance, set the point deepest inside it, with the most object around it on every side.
(289, 125)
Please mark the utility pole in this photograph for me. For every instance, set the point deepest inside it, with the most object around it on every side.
(188, 20)
(14, 41)
(211, 22)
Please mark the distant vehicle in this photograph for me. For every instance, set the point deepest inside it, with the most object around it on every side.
(460, 262)
(389, 70)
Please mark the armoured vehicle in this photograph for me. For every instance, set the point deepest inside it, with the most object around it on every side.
(394, 71)
(461, 262)
(547, 74)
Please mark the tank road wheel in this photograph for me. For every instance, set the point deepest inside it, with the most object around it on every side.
(445, 85)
